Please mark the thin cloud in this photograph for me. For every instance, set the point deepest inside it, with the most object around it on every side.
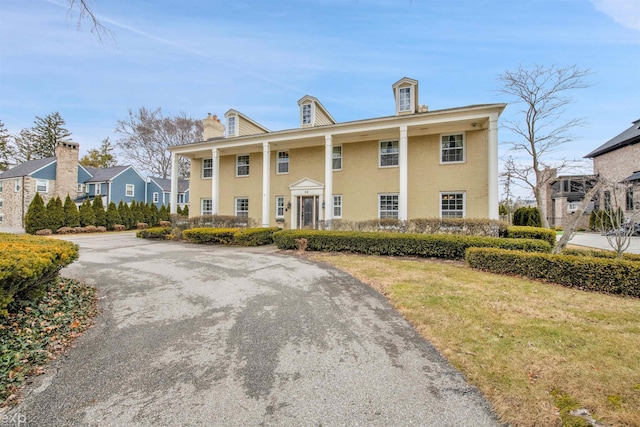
(624, 12)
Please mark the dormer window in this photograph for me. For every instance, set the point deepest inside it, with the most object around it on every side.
(404, 99)
(306, 114)
(231, 126)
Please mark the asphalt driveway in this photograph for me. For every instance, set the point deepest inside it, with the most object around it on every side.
(194, 335)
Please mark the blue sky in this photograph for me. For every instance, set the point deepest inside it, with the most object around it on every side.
(260, 57)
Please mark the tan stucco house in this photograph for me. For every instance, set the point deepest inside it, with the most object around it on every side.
(413, 164)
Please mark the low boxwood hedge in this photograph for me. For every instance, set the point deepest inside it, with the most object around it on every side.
(254, 236)
(210, 235)
(422, 245)
(589, 273)
(597, 253)
(522, 232)
(28, 263)
(154, 233)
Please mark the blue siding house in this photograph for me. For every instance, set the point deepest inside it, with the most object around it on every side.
(115, 184)
(159, 192)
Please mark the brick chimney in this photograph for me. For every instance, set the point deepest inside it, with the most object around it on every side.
(67, 169)
(212, 127)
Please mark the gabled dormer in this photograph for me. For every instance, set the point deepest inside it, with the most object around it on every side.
(313, 113)
(405, 92)
(240, 125)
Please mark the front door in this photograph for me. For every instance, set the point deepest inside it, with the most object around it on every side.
(308, 212)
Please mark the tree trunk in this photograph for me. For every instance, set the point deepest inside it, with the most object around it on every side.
(570, 227)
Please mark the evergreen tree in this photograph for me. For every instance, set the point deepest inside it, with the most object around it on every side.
(185, 210)
(146, 212)
(102, 158)
(47, 132)
(112, 217)
(163, 214)
(99, 212)
(593, 224)
(36, 218)
(154, 217)
(55, 214)
(71, 216)
(178, 211)
(6, 151)
(87, 217)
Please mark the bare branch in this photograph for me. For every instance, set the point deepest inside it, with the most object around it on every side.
(86, 14)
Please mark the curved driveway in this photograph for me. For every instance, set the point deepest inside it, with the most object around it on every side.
(205, 336)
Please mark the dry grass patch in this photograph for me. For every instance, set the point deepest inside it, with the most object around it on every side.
(522, 343)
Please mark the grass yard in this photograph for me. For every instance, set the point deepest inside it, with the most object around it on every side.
(535, 350)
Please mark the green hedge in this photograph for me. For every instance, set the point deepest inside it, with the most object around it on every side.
(589, 273)
(521, 232)
(210, 235)
(422, 245)
(154, 233)
(28, 264)
(600, 254)
(255, 236)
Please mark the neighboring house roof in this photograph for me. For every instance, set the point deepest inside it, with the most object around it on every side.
(27, 168)
(105, 174)
(628, 137)
(165, 184)
(634, 177)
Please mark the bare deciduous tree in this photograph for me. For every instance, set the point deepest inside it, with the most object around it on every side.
(611, 220)
(569, 227)
(86, 14)
(543, 93)
(146, 136)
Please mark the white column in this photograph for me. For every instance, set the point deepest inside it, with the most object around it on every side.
(404, 174)
(493, 211)
(215, 180)
(266, 178)
(173, 200)
(328, 178)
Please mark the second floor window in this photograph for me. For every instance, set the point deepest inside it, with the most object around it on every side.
(42, 185)
(16, 185)
(242, 165)
(232, 126)
(129, 190)
(389, 153)
(207, 168)
(155, 197)
(337, 158)
(404, 99)
(452, 148)
(283, 162)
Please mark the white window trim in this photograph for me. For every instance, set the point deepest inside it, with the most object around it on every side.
(156, 197)
(235, 205)
(278, 215)
(202, 211)
(339, 197)
(464, 148)
(126, 190)
(16, 185)
(572, 206)
(181, 198)
(232, 130)
(388, 194)
(209, 168)
(1, 186)
(288, 162)
(341, 157)
(408, 110)
(464, 201)
(81, 188)
(46, 185)
(96, 188)
(311, 114)
(248, 165)
(380, 153)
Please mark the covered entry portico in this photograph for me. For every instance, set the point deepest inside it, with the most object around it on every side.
(307, 198)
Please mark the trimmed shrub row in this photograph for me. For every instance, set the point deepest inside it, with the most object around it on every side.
(588, 273)
(522, 232)
(154, 233)
(422, 245)
(600, 254)
(28, 264)
(231, 236)
(464, 226)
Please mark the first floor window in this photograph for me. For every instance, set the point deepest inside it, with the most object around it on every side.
(16, 185)
(452, 148)
(452, 205)
(0, 186)
(572, 206)
(129, 190)
(242, 207)
(337, 206)
(242, 165)
(388, 206)
(1, 218)
(207, 168)
(389, 153)
(336, 156)
(81, 188)
(181, 198)
(279, 207)
(156, 197)
(1, 203)
(283, 162)
(206, 207)
(98, 186)
(42, 185)
(629, 199)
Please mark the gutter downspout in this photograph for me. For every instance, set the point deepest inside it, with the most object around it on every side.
(22, 216)
(109, 194)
